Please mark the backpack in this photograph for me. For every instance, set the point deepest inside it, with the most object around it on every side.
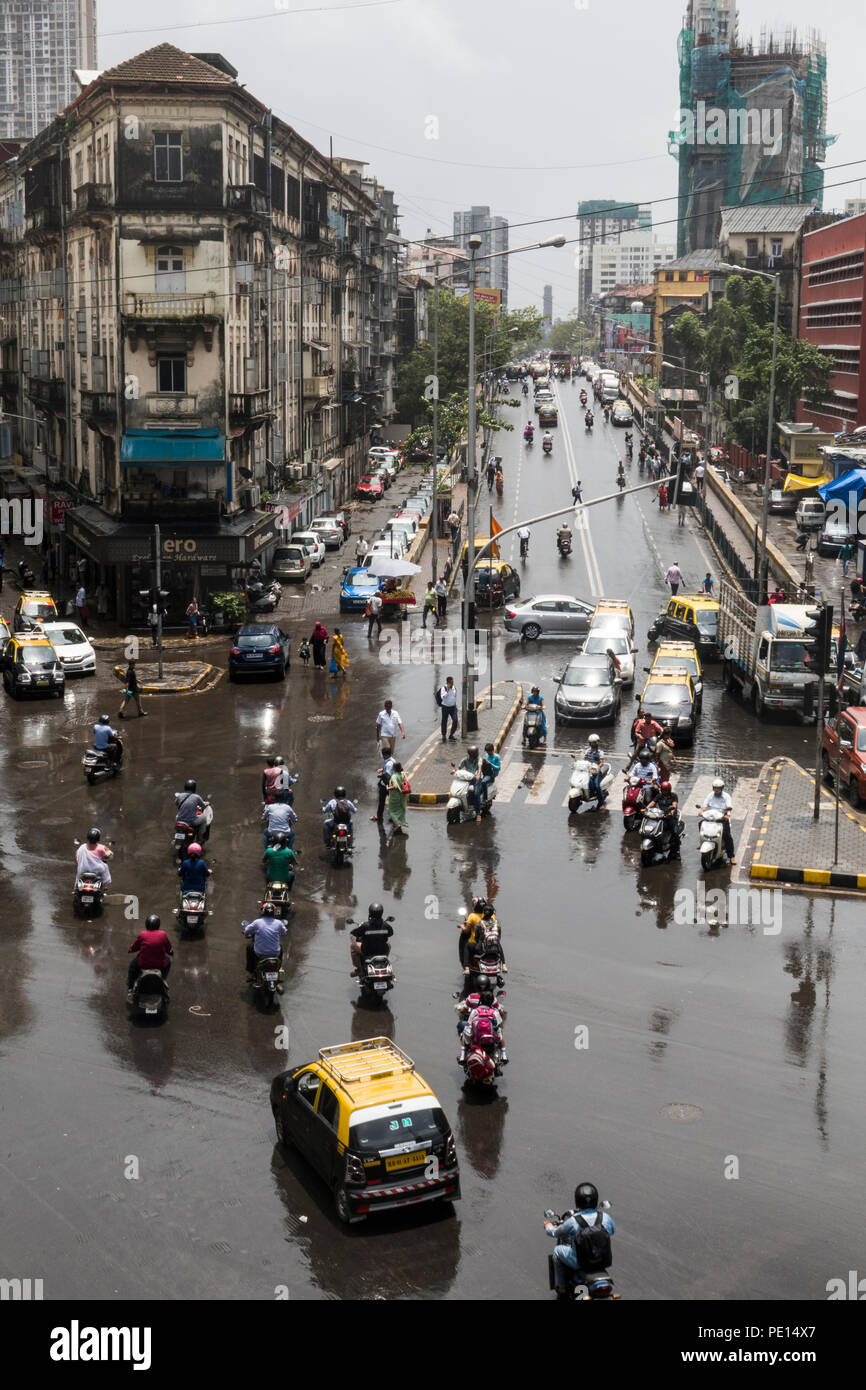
(437, 695)
(483, 1026)
(592, 1245)
(342, 814)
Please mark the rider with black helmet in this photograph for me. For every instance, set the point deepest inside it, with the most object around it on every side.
(107, 740)
(152, 949)
(371, 938)
(338, 811)
(587, 1212)
(667, 802)
(189, 809)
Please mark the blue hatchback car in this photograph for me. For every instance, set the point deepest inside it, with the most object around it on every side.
(260, 647)
(358, 585)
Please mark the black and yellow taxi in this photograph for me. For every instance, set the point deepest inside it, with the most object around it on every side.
(669, 697)
(674, 656)
(5, 634)
(369, 1124)
(31, 666)
(495, 583)
(34, 606)
(548, 415)
(690, 618)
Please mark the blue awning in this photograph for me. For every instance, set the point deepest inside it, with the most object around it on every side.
(173, 449)
(840, 488)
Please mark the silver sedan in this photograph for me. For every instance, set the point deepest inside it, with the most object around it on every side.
(549, 614)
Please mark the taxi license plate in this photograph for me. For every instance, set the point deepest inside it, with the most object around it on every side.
(412, 1160)
(41, 680)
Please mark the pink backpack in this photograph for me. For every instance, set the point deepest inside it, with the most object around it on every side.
(484, 1025)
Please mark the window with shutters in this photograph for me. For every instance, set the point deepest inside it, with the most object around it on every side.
(167, 156)
(170, 271)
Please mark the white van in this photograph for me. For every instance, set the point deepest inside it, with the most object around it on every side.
(810, 512)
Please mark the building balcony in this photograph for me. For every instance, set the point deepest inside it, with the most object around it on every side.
(247, 200)
(317, 232)
(763, 262)
(318, 388)
(10, 379)
(249, 405)
(171, 307)
(93, 197)
(44, 219)
(99, 405)
(164, 406)
(48, 392)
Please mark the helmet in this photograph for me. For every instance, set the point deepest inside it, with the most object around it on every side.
(665, 787)
(269, 909)
(340, 793)
(281, 841)
(94, 834)
(643, 755)
(718, 783)
(488, 911)
(375, 912)
(473, 751)
(585, 1196)
(479, 904)
(189, 786)
(104, 719)
(278, 761)
(194, 848)
(153, 923)
(594, 739)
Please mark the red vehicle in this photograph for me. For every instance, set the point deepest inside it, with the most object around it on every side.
(843, 752)
(370, 488)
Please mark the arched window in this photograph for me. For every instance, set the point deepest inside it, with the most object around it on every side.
(170, 272)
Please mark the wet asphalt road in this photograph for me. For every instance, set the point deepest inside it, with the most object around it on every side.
(759, 1032)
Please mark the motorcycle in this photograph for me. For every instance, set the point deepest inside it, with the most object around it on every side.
(579, 796)
(588, 422)
(279, 894)
(547, 446)
(26, 575)
(150, 994)
(88, 895)
(342, 843)
(99, 762)
(461, 799)
(712, 846)
(598, 1285)
(634, 797)
(656, 845)
(524, 547)
(563, 544)
(192, 913)
(266, 976)
(532, 728)
(185, 835)
(262, 599)
(620, 480)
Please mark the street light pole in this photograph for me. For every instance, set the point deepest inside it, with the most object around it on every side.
(469, 712)
(434, 520)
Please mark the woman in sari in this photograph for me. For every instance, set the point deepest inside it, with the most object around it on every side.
(339, 653)
(397, 800)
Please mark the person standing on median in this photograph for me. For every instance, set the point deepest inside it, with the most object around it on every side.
(674, 577)
(446, 698)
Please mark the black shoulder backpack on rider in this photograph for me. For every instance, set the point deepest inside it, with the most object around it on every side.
(342, 814)
(592, 1244)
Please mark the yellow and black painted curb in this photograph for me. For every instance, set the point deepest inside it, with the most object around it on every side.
(180, 689)
(779, 873)
(440, 798)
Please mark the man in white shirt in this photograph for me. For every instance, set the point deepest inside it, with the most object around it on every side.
(361, 548)
(674, 577)
(388, 722)
(721, 801)
(375, 613)
(448, 704)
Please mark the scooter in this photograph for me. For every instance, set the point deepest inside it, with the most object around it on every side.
(528, 436)
(266, 976)
(461, 798)
(598, 1285)
(193, 912)
(26, 575)
(376, 976)
(633, 802)
(485, 972)
(657, 842)
(524, 547)
(588, 422)
(547, 446)
(563, 544)
(579, 796)
(712, 846)
(620, 480)
(99, 762)
(149, 994)
(260, 599)
(279, 894)
(532, 728)
(88, 895)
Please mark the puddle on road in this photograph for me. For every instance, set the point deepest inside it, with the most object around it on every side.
(683, 1113)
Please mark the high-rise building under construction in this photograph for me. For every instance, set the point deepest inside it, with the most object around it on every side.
(752, 119)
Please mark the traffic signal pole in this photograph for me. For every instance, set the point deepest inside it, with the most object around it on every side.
(158, 596)
(819, 738)
(823, 641)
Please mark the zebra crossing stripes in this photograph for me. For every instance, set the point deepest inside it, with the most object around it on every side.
(539, 782)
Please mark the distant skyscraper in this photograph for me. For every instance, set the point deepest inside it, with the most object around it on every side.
(494, 237)
(602, 220)
(547, 304)
(41, 42)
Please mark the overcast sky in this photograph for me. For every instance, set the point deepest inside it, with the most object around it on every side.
(527, 108)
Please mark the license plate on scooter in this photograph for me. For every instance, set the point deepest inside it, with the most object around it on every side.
(192, 919)
(150, 1008)
(270, 977)
(86, 899)
(380, 984)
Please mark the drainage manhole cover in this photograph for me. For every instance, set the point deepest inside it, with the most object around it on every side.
(684, 1114)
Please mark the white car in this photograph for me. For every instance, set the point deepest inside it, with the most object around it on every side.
(312, 543)
(382, 451)
(395, 546)
(74, 652)
(620, 644)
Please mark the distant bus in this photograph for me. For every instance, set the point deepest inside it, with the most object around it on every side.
(559, 361)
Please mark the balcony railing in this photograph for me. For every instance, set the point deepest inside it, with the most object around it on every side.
(246, 198)
(318, 387)
(313, 230)
(48, 392)
(93, 197)
(249, 405)
(102, 405)
(171, 306)
(166, 406)
(45, 219)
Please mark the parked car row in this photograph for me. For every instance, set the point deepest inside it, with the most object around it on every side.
(41, 649)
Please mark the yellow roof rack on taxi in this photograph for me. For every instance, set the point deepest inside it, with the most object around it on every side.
(367, 1060)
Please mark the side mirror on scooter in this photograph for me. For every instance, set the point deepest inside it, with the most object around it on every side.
(390, 919)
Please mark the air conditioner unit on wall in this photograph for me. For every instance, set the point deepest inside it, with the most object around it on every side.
(250, 497)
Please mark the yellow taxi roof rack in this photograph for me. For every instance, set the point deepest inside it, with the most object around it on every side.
(368, 1060)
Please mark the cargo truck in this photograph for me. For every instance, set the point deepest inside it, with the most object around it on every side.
(764, 654)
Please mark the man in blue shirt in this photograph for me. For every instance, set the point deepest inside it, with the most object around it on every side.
(193, 872)
(104, 737)
(565, 1254)
(278, 818)
(490, 765)
(265, 934)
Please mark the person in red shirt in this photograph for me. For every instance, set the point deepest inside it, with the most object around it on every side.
(152, 950)
(643, 729)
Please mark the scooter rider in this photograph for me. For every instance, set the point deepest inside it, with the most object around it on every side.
(265, 934)
(484, 1009)
(586, 1213)
(523, 537)
(105, 739)
(193, 872)
(91, 856)
(563, 538)
(152, 949)
(370, 938)
(645, 771)
(279, 861)
(189, 808)
(535, 700)
(339, 811)
(593, 753)
(721, 801)
(278, 819)
(667, 802)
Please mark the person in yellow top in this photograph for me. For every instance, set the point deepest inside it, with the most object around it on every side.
(338, 651)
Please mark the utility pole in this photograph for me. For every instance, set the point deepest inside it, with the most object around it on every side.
(470, 714)
(158, 596)
(434, 521)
